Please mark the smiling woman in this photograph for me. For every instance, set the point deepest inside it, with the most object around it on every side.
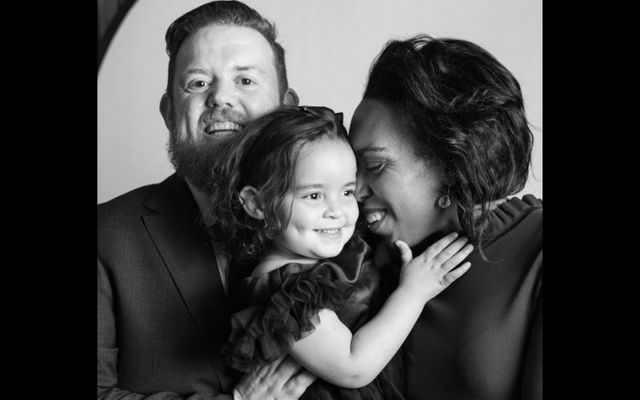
(404, 181)
(443, 145)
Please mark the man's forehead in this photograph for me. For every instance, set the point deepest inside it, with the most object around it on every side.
(228, 41)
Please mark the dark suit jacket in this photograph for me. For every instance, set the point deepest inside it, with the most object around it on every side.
(162, 311)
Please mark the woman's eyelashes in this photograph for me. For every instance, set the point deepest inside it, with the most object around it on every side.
(374, 166)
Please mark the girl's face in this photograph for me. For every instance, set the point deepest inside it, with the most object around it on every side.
(398, 190)
(321, 210)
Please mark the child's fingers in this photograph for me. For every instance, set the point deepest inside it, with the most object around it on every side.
(450, 251)
(405, 252)
(456, 273)
(457, 258)
(439, 246)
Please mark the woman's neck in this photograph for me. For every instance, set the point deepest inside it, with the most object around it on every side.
(452, 225)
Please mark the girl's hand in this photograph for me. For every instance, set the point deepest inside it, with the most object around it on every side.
(431, 272)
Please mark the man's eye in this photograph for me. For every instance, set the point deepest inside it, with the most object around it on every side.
(198, 84)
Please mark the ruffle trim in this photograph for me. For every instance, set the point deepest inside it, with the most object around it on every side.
(514, 209)
(261, 334)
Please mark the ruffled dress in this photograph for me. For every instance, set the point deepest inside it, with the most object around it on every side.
(281, 307)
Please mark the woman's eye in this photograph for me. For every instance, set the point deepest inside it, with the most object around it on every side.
(312, 196)
(349, 192)
(374, 167)
(245, 81)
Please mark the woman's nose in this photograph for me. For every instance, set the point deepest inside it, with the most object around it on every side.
(362, 189)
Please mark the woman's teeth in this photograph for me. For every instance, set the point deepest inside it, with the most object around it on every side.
(375, 216)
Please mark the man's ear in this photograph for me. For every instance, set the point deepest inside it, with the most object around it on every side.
(250, 200)
(290, 98)
(166, 109)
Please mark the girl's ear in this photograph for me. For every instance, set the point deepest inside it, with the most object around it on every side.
(250, 200)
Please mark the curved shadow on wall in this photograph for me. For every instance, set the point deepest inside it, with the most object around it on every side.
(110, 15)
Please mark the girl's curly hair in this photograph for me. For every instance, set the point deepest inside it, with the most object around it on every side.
(466, 117)
(264, 155)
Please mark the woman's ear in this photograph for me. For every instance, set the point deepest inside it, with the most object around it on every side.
(250, 200)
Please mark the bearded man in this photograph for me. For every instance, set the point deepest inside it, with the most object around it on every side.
(163, 309)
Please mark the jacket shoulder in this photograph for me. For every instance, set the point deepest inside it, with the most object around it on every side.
(127, 204)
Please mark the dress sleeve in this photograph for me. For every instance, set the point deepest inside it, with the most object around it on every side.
(263, 333)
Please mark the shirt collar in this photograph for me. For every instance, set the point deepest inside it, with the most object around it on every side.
(202, 200)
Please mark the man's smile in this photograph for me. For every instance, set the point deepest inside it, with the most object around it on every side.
(222, 128)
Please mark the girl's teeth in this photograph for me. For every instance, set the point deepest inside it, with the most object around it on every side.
(328, 230)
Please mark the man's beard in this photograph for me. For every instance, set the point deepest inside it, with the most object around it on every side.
(195, 161)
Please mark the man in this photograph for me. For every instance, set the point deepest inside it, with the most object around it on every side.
(163, 310)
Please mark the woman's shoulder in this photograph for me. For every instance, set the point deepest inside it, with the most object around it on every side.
(521, 205)
(518, 217)
(515, 209)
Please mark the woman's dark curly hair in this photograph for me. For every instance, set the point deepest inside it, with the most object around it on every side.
(264, 155)
(466, 118)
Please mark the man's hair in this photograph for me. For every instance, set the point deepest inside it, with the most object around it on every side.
(265, 156)
(465, 115)
(223, 13)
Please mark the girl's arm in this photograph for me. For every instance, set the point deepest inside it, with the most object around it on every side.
(349, 360)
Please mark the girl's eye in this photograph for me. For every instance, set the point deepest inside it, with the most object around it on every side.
(312, 196)
(349, 192)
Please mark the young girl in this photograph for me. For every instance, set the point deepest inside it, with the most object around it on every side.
(283, 198)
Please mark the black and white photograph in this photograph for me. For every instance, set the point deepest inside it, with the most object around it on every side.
(336, 199)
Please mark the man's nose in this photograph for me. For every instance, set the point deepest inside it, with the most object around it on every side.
(221, 95)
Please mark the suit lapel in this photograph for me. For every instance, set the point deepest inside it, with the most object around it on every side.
(188, 256)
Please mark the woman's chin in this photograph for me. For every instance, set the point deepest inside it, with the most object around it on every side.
(381, 229)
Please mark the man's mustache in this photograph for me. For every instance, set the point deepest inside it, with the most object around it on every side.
(223, 115)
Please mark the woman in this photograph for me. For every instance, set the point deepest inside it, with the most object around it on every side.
(442, 140)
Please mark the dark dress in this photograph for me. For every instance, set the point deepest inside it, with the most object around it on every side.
(281, 307)
(481, 338)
